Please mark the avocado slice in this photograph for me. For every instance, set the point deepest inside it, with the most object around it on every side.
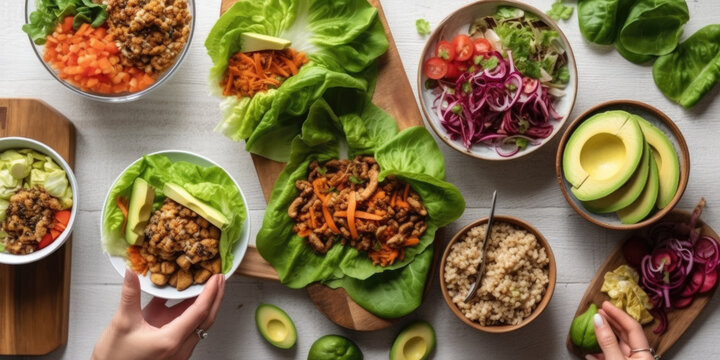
(139, 209)
(666, 159)
(184, 198)
(645, 204)
(275, 326)
(628, 193)
(415, 342)
(334, 347)
(602, 154)
(255, 42)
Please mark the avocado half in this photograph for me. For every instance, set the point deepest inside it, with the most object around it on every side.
(666, 159)
(415, 342)
(645, 204)
(602, 154)
(275, 326)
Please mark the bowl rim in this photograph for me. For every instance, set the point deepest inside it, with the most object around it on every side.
(11, 259)
(549, 291)
(431, 39)
(683, 158)
(125, 97)
(244, 240)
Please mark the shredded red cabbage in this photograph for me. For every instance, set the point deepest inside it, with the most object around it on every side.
(496, 107)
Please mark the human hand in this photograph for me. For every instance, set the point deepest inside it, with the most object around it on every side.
(612, 323)
(157, 331)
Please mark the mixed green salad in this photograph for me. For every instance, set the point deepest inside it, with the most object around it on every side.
(340, 39)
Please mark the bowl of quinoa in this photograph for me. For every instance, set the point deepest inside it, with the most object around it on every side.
(519, 276)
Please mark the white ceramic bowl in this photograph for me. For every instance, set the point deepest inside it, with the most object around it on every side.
(18, 143)
(459, 22)
(169, 292)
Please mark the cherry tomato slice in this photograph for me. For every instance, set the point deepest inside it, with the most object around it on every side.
(46, 240)
(453, 72)
(445, 51)
(463, 47)
(435, 68)
(462, 66)
(482, 46)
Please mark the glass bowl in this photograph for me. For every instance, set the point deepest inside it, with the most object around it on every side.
(120, 97)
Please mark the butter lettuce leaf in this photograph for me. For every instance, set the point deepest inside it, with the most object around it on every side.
(210, 184)
(341, 39)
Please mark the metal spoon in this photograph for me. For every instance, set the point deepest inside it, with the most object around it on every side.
(481, 266)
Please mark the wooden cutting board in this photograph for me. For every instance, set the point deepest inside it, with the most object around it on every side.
(678, 319)
(394, 95)
(34, 298)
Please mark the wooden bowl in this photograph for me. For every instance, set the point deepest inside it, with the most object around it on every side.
(458, 22)
(552, 274)
(662, 122)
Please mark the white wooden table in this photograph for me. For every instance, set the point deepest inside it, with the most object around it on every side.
(181, 115)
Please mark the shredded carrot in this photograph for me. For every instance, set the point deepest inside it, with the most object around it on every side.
(359, 215)
(304, 233)
(122, 204)
(379, 195)
(89, 59)
(384, 256)
(352, 203)
(393, 199)
(411, 241)
(317, 185)
(137, 262)
(313, 222)
(405, 192)
(259, 71)
(328, 218)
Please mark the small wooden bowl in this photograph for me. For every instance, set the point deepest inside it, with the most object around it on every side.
(552, 274)
(657, 118)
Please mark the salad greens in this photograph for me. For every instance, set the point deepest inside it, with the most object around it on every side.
(49, 12)
(412, 155)
(422, 26)
(210, 184)
(28, 168)
(689, 72)
(558, 11)
(653, 27)
(341, 39)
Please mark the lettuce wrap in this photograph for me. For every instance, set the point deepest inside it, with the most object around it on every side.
(412, 156)
(210, 184)
(341, 40)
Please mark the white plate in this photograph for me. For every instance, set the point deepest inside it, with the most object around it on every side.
(18, 143)
(458, 23)
(169, 292)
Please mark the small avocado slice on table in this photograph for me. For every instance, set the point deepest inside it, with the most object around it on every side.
(184, 198)
(645, 204)
(334, 347)
(275, 326)
(415, 342)
(602, 154)
(666, 159)
(139, 209)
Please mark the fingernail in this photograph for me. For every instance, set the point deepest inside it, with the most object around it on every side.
(590, 357)
(598, 320)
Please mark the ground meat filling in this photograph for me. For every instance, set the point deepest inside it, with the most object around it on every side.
(342, 201)
(29, 216)
(149, 33)
(181, 248)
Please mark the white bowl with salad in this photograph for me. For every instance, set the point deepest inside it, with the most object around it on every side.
(175, 218)
(497, 80)
(38, 200)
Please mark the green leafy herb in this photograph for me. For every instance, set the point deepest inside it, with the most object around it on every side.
(508, 12)
(472, 69)
(333, 190)
(50, 12)
(688, 73)
(322, 170)
(490, 63)
(560, 11)
(521, 143)
(466, 87)
(431, 84)
(562, 76)
(523, 125)
(457, 109)
(422, 26)
(356, 180)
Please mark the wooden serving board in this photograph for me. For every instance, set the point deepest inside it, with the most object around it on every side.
(394, 95)
(34, 298)
(678, 319)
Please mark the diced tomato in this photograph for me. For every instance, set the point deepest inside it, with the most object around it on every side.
(452, 72)
(67, 24)
(463, 47)
(55, 233)
(46, 240)
(445, 50)
(482, 46)
(435, 68)
(62, 217)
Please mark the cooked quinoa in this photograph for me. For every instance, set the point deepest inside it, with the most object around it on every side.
(516, 275)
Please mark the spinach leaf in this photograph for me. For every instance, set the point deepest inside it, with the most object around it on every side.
(50, 12)
(653, 27)
(600, 20)
(631, 56)
(689, 72)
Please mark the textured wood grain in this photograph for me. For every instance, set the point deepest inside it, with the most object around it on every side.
(393, 94)
(679, 320)
(35, 298)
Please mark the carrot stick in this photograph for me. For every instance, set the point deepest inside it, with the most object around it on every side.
(405, 193)
(411, 241)
(359, 215)
(304, 233)
(328, 218)
(122, 205)
(352, 203)
(317, 183)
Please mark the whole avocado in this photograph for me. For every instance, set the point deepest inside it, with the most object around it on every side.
(582, 331)
(334, 347)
